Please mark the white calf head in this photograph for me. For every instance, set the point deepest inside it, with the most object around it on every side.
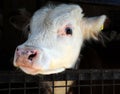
(56, 38)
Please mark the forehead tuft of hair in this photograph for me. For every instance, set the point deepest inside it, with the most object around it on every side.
(50, 14)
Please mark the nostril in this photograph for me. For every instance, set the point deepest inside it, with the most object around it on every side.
(32, 56)
(18, 53)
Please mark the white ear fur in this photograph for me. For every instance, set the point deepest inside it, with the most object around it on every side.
(92, 26)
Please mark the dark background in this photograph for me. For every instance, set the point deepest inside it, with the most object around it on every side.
(103, 54)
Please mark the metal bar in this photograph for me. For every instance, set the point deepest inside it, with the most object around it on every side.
(9, 88)
(25, 86)
(6, 77)
(114, 87)
(105, 2)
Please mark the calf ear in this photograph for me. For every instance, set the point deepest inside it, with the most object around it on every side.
(20, 19)
(92, 26)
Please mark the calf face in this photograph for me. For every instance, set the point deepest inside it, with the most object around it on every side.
(56, 38)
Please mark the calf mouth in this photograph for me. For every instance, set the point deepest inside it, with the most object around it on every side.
(29, 70)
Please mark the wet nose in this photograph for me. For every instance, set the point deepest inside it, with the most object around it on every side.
(25, 56)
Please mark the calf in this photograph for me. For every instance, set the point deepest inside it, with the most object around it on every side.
(55, 39)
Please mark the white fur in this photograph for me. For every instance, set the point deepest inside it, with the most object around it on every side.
(58, 52)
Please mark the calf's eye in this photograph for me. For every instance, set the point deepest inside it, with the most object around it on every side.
(68, 30)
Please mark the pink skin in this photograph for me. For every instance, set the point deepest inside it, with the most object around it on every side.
(61, 31)
(25, 57)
